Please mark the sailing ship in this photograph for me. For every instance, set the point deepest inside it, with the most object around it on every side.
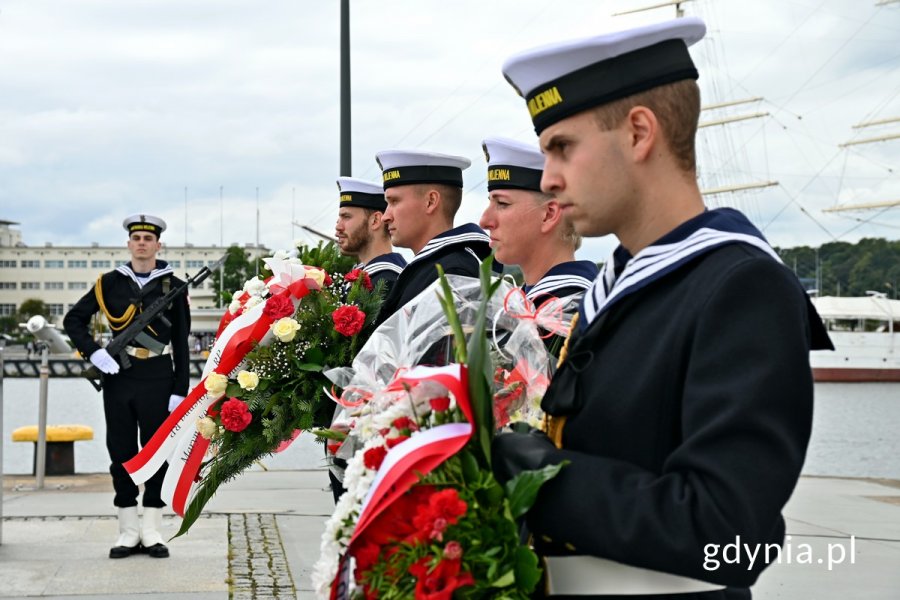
(866, 335)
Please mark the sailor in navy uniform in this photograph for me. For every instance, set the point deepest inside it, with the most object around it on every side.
(136, 400)
(423, 192)
(527, 227)
(684, 402)
(361, 231)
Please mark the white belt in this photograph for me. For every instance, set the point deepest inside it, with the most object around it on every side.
(145, 353)
(593, 576)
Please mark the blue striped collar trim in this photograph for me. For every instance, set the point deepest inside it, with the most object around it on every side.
(576, 273)
(162, 268)
(698, 236)
(386, 262)
(468, 232)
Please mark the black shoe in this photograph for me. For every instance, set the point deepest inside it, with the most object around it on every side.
(123, 551)
(157, 551)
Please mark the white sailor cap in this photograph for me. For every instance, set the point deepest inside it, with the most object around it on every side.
(361, 193)
(405, 167)
(144, 222)
(512, 164)
(564, 79)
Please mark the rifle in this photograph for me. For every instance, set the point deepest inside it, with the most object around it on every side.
(117, 344)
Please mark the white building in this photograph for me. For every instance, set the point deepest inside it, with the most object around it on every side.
(60, 275)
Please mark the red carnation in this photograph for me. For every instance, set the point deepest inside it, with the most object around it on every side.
(391, 442)
(404, 423)
(357, 274)
(278, 307)
(373, 457)
(443, 509)
(440, 404)
(235, 415)
(348, 320)
(440, 582)
(365, 556)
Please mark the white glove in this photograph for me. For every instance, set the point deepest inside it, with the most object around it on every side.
(174, 401)
(103, 361)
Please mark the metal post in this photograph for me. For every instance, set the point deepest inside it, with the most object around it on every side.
(41, 458)
(2, 369)
(345, 88)
(221, 298)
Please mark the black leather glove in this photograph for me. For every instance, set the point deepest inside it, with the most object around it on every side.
(513, 453)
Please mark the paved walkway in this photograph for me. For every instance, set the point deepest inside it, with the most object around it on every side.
(260, 537)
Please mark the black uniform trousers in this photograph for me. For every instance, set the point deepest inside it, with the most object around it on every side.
(135, 403)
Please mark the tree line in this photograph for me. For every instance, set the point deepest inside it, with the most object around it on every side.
(835, 269)
(844, 269)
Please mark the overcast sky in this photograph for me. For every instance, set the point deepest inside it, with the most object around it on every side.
(109, 108)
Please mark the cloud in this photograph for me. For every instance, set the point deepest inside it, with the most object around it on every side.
(110, 107)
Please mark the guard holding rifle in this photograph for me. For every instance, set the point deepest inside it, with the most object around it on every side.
(145, 379)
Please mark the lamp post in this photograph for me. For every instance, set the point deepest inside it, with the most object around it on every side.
(345, 88)
(2, 369)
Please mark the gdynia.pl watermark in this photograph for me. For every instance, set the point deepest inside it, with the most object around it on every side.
(802, 554)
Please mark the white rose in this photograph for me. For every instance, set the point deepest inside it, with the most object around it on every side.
(285, 329)
(281, 255)
(248, 380)
(234, 306)
(206, 427)
(215, 384)
(317, 275)
(252, 301)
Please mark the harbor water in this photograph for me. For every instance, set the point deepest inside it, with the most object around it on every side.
(856, 429)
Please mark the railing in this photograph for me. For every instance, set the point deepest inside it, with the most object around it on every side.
(68, 367)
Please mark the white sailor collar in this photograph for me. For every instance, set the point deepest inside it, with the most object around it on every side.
(467, 232)
(572, 274)
(392, 261)
(162, 268)
(703, 233)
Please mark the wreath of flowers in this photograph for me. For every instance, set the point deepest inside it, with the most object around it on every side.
(456, 527)
(279, 389)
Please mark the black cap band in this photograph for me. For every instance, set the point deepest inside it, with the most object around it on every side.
(506, 177)
(363, 200)
(428, 174)
(608, 80)
(144, 227)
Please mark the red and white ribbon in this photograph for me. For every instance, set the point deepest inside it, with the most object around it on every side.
(549, 315)
(406, 462)
(178, 440)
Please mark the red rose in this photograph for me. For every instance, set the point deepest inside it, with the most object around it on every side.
(278, 307)
(357, 274)
(348, 320)
(440, 404)
(440, 583)
(373, 457)
(235, 415)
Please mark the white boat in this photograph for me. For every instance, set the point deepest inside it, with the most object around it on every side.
(866, 335)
